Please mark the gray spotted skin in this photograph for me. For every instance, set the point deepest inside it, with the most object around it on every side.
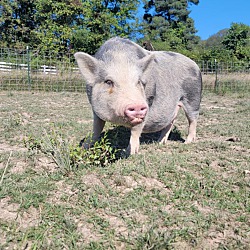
(140, 89)
(172, 80)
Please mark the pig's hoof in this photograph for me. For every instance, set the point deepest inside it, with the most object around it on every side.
(132, 150)
(189, 140)
(163, 141)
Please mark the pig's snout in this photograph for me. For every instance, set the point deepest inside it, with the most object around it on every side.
(136, 113)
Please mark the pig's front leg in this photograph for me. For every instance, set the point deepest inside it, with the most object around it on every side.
(98, 125)
(134, 143)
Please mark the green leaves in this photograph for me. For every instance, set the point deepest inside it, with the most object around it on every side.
(64, 27)
(170, 24)
(68, 157)
(101, 20)
(237, 41)
(100, 154)
(61, 26)
(231, 44)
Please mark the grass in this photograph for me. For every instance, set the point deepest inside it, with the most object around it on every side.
(227, 83)
(172, 196)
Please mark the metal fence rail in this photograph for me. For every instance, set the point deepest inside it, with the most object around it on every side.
(31, 70)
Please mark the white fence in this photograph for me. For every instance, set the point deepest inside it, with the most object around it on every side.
(8, 67)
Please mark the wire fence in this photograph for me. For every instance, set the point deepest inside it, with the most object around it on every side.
(31, 70)
(34, 71)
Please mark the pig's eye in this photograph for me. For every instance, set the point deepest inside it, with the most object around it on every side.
(110, 83)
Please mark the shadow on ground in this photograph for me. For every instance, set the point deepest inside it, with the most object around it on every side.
(119, 137)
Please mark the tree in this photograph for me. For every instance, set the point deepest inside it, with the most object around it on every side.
(17, 22)
(216, 39)
(169, 22)
(212, 48)
(237, 41)
(101, 20)
(56, 20)
(64, 25)
(40, 24)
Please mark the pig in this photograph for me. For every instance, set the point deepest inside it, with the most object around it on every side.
(143, 90)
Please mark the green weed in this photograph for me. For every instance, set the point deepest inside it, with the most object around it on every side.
(69, 157)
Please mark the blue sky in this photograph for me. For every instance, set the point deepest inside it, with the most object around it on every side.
(210, 16)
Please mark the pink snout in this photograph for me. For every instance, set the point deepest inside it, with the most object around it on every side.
(136, 113)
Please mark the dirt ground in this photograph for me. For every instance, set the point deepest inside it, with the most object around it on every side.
(172, 196)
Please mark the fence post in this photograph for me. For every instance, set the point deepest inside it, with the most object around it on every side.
(28, 64)
(216, 85)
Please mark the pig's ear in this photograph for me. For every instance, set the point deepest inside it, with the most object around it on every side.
(88, 66)
(146, 61)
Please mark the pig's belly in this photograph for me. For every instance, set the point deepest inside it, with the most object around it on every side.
(150, 128)
(160, 118)
(157, 123)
